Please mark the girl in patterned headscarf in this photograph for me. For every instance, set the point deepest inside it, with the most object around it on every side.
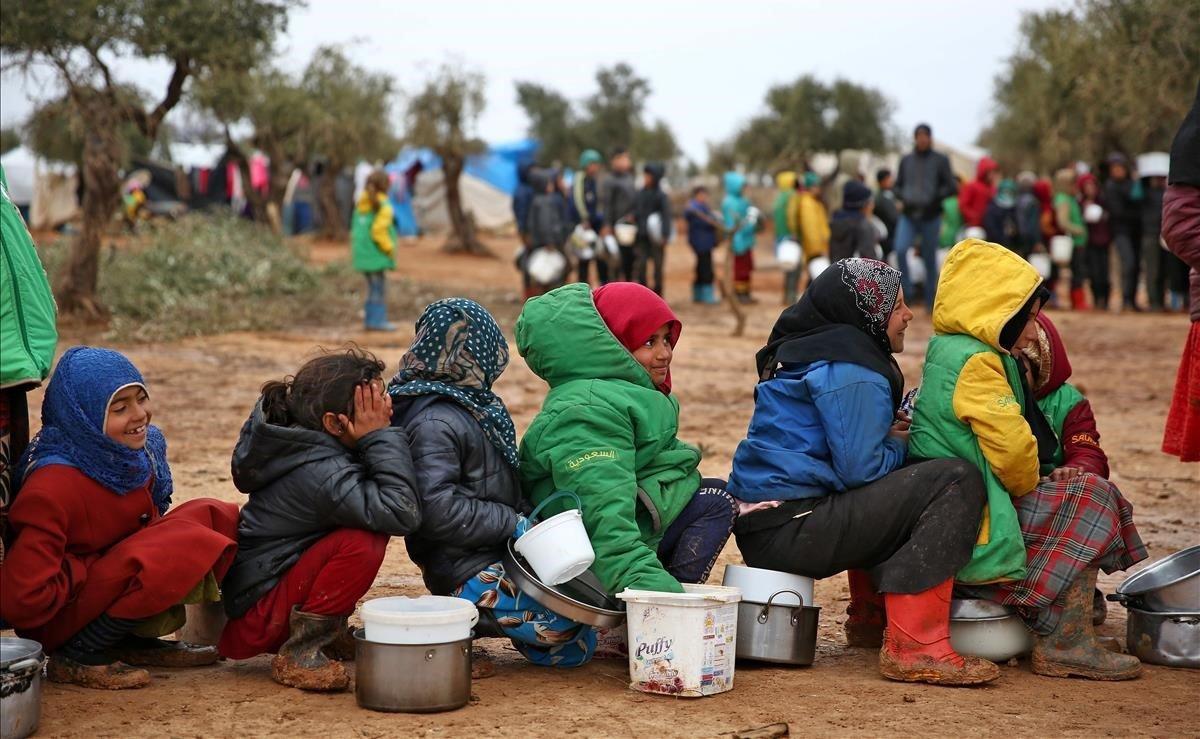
(824, 459)
(464, 449)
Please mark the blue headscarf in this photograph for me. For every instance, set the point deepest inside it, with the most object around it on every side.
(459, 352)
(73, 415)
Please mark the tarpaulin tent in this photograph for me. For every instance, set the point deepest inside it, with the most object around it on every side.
(47, 189)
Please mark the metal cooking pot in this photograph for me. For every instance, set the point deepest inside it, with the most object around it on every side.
(1171, 639)
(983, 628)
(21, 662)
(785, 635)
(1172, 584)
(411, 678)
(582, 599)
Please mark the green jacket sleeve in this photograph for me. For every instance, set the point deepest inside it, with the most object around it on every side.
(593, 457)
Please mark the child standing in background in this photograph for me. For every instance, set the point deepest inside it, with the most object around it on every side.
(813, 220)
(1099, 240)
(373, 247)
(735, 210)
(652, 213)
(703, 228)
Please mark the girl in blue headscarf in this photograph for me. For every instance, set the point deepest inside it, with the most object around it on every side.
(96, 570)
(464, 450)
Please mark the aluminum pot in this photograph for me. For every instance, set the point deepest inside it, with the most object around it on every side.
(1172, 584)
(1171, 639)
(411, 678)
(983, 628)
(21, 663)
(581, 599)
(782, 634)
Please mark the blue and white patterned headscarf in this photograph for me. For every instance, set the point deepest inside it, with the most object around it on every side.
(73, 415)
(458, 352)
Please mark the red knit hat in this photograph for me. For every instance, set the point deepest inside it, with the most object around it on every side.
(633, 313)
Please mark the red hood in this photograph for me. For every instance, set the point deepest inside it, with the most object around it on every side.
(1060, 364)
(633, 313)
(986, 166)
(1041, 190)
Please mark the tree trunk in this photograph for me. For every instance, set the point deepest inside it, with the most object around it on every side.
(462, 226)
(333, 227)
(258, 203)
(76, 289)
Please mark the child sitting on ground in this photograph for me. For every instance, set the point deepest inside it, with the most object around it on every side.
(96, 570)
(329, 481)
(464, 449)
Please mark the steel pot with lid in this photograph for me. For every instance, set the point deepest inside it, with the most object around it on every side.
(21, 662)
(782, 634)
(1172, 584)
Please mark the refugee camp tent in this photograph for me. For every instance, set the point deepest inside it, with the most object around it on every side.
(487, 184)
(48, 189)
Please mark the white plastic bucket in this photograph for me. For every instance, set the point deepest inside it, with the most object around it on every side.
(558, 549)
(626, 233)
(1093, 213)
(816, 266)
(1041, 262)
(427, 619)
(682, 644)
(758, 585)
(1061, 249)
(942, 256)
(788, 254)
(546, 265)
(916, 268)
(975, 232)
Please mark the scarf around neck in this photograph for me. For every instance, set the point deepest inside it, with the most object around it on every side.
(459, 352)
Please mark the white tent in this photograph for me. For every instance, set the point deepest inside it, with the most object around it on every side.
(48, 188)
(19, 166)
(491, 206)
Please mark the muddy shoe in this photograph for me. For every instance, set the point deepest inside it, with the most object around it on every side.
(925, 669)
(1072, 650)
(113, 676)
(301, 663)
(863, 634)
(482, 665)
(136, 650)
(916, 643)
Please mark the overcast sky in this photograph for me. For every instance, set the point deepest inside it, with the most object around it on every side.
(709, 64)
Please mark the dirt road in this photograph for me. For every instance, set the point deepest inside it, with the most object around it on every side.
(204, 389)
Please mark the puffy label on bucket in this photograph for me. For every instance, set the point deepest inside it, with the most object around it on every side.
(720, 629)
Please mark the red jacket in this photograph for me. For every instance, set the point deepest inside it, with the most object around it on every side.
(80, 550)
(1079, 437)
(975, 195)
(1181, 232)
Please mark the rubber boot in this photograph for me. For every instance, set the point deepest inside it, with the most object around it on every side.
(376, 317)
(145, 652)
(1078, 299)
(112, 676)
(300, 662)
(1072, 650)
(916, 644)
(697, 293)
(864, 628)
(710, 295)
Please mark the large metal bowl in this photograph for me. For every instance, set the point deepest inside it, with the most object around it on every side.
(582, 599)
(1171, 639)
(1172, 584)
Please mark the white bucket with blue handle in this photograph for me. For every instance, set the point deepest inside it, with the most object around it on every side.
(558, 549)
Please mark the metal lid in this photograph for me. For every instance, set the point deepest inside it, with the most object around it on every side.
(972, 609)
(1167, 571)
(14, 650)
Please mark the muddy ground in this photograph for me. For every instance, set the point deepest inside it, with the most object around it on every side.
(204, 389)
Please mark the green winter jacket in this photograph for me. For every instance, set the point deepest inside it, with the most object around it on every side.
(608, 435)
(373, 235)
(28, 332)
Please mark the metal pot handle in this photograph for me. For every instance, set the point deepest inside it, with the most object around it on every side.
(762, 615)
(1122, 598)
(24, 664)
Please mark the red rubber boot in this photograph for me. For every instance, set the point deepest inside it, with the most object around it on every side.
(1078, 299)
(916, 646)
(864, 628)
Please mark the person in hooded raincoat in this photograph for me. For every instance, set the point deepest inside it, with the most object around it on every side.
(741, 223)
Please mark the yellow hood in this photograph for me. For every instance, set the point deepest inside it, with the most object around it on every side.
(982, 287)
(364, 202)
(786, 180)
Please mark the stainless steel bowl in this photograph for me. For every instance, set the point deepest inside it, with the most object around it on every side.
(1172, 584)
(411, 678)
(582, 599)
(782, 634)
(983, 628)
(1171, 639)
(21, 663)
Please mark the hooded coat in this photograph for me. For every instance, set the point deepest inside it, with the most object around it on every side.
(814, 225)
(606, 433)
(373, 234)
(28, 331)
(974, 196)
(734, 208)
(971, 400)
(649, 200)
(301, 485)
(784, 227)
(547, 225)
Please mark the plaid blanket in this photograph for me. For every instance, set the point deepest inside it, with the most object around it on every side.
(1068, 527)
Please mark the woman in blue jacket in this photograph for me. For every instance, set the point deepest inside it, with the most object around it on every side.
(825, 455)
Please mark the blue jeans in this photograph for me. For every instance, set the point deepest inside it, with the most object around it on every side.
(694, 540)
(907, 231)
(376, 284)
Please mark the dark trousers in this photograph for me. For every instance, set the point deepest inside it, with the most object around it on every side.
(645, 253)
(1079, 270)
(694, 540)
(1156, 278)
(704, 268)
(1128, 252)
(1098, 269)
(625, 271)
(911, 530)
(601, 270)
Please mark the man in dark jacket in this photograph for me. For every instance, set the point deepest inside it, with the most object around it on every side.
(522, 198)
(923, 182)
(651, 204)
(885, 208)
(851, 233)
(617, 193)
(1123, 219)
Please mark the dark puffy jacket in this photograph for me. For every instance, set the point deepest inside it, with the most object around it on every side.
(470, 495)
(617, 192)
(651, 200)
(1122, 208)
(302, 485)
(923, 181)
(851, 235)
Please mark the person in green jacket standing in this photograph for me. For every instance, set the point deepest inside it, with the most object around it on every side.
(28, 335)
(373, 247)
(607, 432)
